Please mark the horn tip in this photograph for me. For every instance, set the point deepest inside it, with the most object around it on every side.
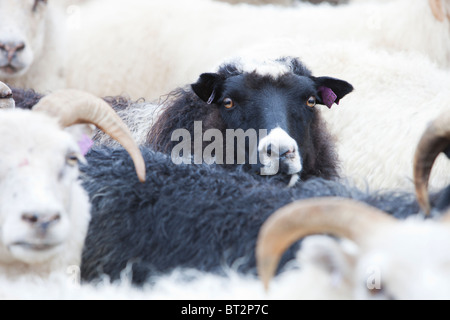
(142, 177)
(139, 164)
(266, 270)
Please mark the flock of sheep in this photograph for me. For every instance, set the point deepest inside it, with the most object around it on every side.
(354, 96)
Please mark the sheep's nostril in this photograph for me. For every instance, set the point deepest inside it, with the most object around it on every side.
(269, 150)
(54, 218)
(20, 47)
(288, 154)
(30, 218)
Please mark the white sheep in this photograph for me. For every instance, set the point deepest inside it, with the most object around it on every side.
(40, 28)
(393, 259)
(170, 37)
(179, 39)
(32, 44)
(44, 211)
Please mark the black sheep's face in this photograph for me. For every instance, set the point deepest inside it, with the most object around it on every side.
(278, 102)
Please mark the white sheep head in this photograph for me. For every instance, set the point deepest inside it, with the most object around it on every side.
(44, 211)
(22, 32)
(394, 259)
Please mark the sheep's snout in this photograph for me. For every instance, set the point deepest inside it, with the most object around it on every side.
(279, 153)
(35, 236)
(12, 57)
(11, 49)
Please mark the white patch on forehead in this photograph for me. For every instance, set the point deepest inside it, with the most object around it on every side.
(271, 68)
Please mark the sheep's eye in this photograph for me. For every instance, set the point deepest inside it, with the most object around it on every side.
(36, 4)
(311, 102)
(228, 103)
(72, 159)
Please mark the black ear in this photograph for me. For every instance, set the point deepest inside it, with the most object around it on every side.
(447, 152)
(332, 90)
(208, 87)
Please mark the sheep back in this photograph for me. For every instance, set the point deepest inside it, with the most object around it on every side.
(189, 216)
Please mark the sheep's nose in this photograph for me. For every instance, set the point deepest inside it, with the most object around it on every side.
(10, 49)
(41, 221)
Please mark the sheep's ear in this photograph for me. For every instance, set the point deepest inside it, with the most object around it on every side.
(336, 259)
(208, 87)
(332, 90)
(83, 135)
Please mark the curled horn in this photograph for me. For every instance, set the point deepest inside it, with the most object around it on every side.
(437, 9)
(435, 140)
(6, 97)
(335, 216)
(77, 107)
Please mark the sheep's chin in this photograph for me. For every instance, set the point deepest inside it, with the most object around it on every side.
(34, 253)
(9, 72)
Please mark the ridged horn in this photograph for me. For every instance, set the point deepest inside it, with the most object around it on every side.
(435, 140)
(335, 216)
(77, 107)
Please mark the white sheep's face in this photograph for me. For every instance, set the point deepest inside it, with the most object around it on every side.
(22, 33)
(38, 174)
(410, 261)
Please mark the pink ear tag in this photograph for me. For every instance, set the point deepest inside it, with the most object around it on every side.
(85, 144)
(328, 96)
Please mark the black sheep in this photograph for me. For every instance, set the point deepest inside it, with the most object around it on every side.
(190, 216)
(278, 96)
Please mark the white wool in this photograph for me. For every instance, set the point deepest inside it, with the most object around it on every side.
(139, 118)
(179, 285)
(402, 258)
(147, 48)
